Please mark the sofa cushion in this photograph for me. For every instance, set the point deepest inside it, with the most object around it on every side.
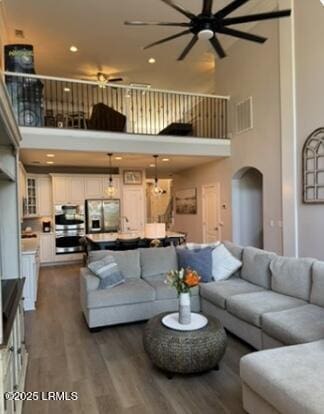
(224, 264)
(198, 260)
(256, 266)
(295, 326)
(292, 276)
(317, 292)
(251, 306)
(155, 261)
(107, 271)
(163, 290)
(218, 292)
(289, 378)
(128, 261)
(131, 292)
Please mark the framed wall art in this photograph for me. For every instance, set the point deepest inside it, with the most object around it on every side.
(132, 177)
(313, 168)
(186, 201)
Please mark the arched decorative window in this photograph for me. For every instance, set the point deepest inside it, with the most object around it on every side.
(313, 167)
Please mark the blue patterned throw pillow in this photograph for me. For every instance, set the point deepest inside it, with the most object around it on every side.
(107, 271)
(198, 260)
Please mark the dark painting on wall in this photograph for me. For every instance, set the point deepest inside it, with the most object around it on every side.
(186, 201)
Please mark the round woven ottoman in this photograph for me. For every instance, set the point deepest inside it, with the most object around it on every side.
(184, 352)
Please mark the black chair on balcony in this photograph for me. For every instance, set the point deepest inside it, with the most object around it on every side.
(178, 129)
(105, 118)
(127, 244)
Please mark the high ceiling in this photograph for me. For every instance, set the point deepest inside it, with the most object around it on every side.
(105, 44)
(175, 164)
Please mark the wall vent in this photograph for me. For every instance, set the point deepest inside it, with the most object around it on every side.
(244, 115)
(19, 33)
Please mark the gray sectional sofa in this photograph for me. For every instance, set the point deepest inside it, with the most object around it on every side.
(144, 293)
(276, 304)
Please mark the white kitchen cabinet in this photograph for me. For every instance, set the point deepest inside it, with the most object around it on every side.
(68, 189)
(30, 271)
(13, 364)
(39, 195)
(60, 189)
(46, 248)
(32, 196)
(44, 196)
(75, 189)
(93, 187)
(134, 207)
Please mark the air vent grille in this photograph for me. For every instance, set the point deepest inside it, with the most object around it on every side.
(244, 115)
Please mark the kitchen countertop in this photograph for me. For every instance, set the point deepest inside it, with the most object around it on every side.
(112, 237)
(29, 246)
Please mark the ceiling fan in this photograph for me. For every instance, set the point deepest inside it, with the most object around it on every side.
(103, 79)
(207, 25)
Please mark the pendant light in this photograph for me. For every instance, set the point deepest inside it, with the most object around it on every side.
(110, 190)
(157, 190)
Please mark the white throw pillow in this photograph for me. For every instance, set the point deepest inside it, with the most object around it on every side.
(224, 264)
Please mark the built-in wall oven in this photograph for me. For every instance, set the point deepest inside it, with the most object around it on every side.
(69, 228)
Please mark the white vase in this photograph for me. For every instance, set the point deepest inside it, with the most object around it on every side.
(184, 309)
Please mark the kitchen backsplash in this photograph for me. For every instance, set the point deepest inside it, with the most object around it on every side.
(35, 223)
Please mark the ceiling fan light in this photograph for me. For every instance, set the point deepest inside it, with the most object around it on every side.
(102, 80)
(206, 34)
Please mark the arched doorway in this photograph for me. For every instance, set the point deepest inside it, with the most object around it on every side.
(247, 207)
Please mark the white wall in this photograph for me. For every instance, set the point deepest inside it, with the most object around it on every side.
(309, 37)
(249, 69)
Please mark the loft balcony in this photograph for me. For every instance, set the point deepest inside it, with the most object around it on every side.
(67, 113)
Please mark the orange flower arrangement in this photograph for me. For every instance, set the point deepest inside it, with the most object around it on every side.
(191, 278)
(183, 280)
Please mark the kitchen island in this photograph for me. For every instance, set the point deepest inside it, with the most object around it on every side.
(117, 241)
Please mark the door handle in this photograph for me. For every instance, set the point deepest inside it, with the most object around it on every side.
(216, 228)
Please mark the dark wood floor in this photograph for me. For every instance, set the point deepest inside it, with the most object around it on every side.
(109, 369)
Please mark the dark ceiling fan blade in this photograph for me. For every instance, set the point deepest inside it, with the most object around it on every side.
(230, 8)
(218, 47)
(115, 80)
(156, 24)
(242, 35)
(179, 8)
(256, 17)
(187, 49)
(166, 39)
(207, 7)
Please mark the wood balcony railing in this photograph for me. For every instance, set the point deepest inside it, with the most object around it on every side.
(45, 101)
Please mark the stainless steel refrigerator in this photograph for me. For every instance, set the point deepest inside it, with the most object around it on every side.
(102, 216)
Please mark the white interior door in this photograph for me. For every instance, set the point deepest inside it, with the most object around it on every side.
(134, 208)
(211, 213)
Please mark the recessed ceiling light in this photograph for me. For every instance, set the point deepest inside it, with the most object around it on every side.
(151, 60)
(73, 49)
(152, 165)
(165, 159)
(118, 158)
(49, 162)
(50, 155)
(66, 89)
